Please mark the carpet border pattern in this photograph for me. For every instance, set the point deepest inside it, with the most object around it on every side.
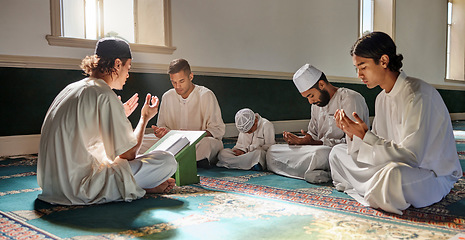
(13, 228)
(349, 206)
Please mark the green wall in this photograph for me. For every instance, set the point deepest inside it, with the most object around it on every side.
(27, 93)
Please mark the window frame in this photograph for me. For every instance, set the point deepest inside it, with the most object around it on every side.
(56, 38)
(362, 15)
(383, 16)
(453, 41)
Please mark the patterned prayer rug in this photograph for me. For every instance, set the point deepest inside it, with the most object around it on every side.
(226, 204)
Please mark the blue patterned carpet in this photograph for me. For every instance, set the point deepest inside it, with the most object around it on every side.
(227, 204)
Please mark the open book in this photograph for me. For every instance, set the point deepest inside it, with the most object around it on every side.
(181, 143)
(173, 143)
(176, 140)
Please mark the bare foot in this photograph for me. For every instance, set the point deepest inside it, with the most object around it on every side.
(165, 187)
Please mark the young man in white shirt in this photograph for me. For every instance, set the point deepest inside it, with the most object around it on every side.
(188, 106)
(409, 158)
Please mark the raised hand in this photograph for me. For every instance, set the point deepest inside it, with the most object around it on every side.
(131, 104)
(351, 128)
(150, 108)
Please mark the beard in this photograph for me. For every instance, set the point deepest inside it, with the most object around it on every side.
(324, 98)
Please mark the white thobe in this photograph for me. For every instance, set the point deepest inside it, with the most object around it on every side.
(310, 162)
(199, 111)
(253, 144)
(84, 132)
(408, 158)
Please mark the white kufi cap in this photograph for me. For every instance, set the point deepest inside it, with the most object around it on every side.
(306, 77)
(245, 118)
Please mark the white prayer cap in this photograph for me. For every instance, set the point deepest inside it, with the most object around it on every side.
(306, 77)
(245, 118)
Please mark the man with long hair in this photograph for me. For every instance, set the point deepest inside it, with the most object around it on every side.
(409, 158)
(88, 147)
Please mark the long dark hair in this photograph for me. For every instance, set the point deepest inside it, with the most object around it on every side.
(376, 44)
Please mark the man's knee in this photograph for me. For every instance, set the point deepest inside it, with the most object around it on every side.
(171, 164)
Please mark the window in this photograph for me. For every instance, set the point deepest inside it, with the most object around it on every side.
(145, 24)
(377, 15)
(455, 40)
(366, 16)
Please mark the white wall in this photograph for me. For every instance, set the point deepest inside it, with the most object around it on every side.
(269, 35)
(23, 27)
(421, 37)
(272, 35)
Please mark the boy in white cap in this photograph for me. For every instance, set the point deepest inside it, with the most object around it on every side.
(88, 148)
(306, 157)
(256, 135)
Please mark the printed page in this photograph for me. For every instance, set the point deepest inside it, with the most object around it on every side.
(169, 142)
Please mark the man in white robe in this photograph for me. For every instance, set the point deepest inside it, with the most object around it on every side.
(256, 135)
(306, 157)
(409, 158)
(88, 148)
(188, 106)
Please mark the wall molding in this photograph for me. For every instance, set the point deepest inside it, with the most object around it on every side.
(73, 64)
(457, 116)
(18, 145)
(39, 62)
(29, 144)
(86, 43)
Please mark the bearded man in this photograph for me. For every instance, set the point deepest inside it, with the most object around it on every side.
(306, 157)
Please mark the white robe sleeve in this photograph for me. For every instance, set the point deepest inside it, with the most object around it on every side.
(242, 142)
(350, 102)
(353, 146)
(331, 142)
(269, 133)
(212, 115)
(410, 149)
(115, 128)
(264, 136)
(313, 124)
(162, 112)
(358, 105)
